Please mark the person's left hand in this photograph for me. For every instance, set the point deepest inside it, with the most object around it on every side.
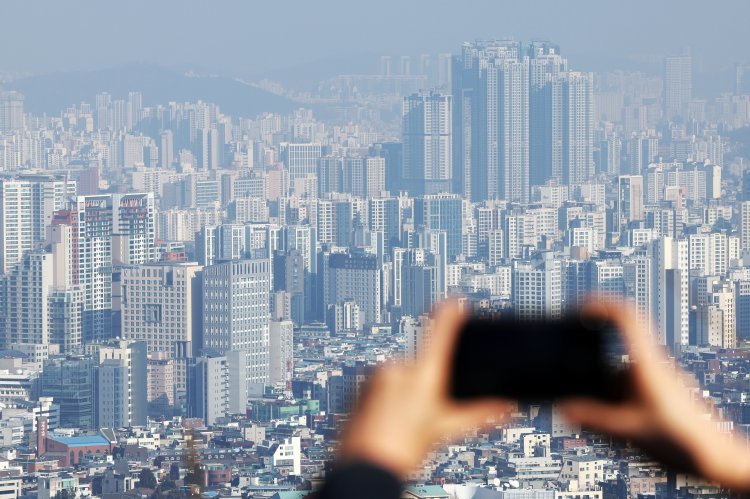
(405, 410)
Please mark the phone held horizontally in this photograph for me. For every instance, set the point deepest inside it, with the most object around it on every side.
(540, 360)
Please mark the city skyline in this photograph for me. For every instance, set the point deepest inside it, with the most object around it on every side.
(199, 274)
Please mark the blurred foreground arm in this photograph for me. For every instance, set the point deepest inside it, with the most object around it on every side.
(660, 417)
(405, 410)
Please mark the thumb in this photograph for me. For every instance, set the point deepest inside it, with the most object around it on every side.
(464, 416)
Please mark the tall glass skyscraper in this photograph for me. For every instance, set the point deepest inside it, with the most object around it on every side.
(68, 380)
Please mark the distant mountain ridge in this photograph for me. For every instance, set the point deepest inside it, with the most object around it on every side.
(55, 92)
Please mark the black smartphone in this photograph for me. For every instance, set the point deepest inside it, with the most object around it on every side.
(540, 360)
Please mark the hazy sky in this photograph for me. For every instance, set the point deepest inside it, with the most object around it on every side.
(255, 37)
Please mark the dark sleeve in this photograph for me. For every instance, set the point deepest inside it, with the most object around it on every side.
(361, 480)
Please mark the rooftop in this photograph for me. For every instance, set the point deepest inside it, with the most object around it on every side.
(81, 441)
(427, 491)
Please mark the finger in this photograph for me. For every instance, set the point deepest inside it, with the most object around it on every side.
(619, 420)
(640, 346)
(387, 374)
(446, 329)
(460, 418)
(624, 318)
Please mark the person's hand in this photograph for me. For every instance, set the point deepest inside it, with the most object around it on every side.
(406, 409)
(660, 416)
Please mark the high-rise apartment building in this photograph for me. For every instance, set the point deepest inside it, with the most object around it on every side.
(416, 331)
(27, 205)
(641, 152)
(392, 153)
(300, 160)
(442, 212)
(536, 291)
(354, 277)
(605, 279)
(26, 311)
(420, 288)
(40, 312)
(11, 111)
(304, 239)
(577, 127)
(638, 278)
(133, 228)
(678, 85)
(491, 121)
(385, 216)
(742, 307)
(709, 253)
(234, 241)
(561, 120)
(716, 319)
(495, 247)
(360, 176)
(520, 118)
(745, 226)
(427, 138)
(670, 299)
(65, 318)
(353, 175)
(166, 149)
(289, 277)
(546, 113)
(330, 175)
(374, 176)
(209, 149)
(90, 259)
(629, 200)
(208, 388)
(281, 348)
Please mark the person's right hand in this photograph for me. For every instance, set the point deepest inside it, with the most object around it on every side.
(660, 416)
(405, 410)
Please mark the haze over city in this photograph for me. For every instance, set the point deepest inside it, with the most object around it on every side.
(236, 37)
(220, 221)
